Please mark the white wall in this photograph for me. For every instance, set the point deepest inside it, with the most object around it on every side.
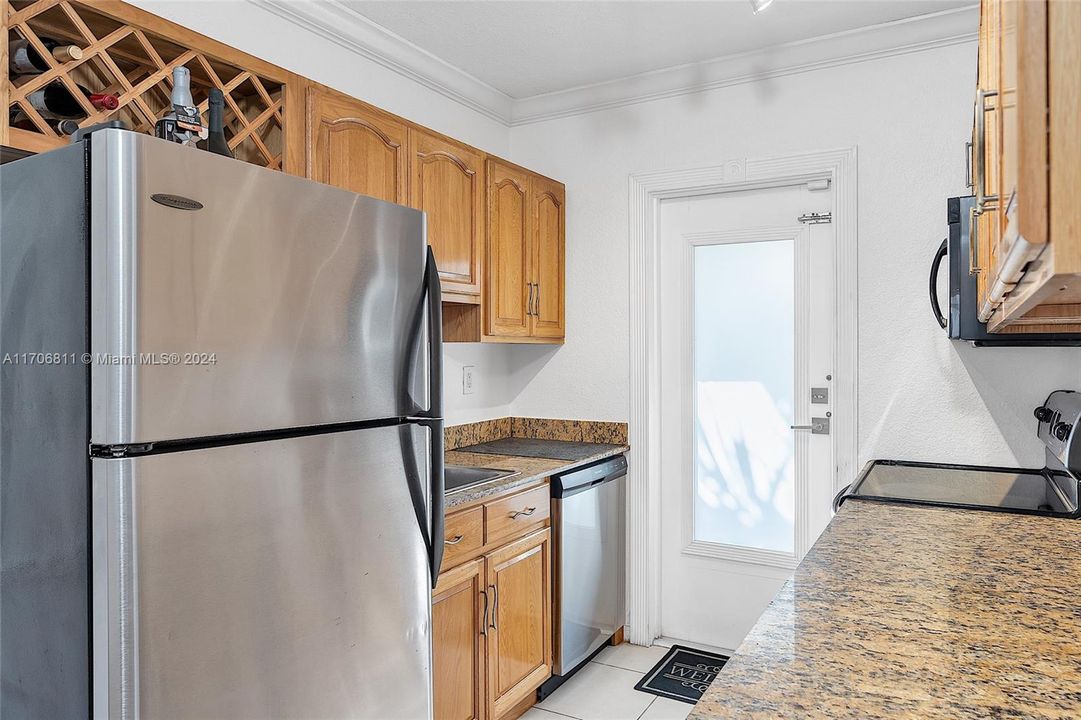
(921, 396)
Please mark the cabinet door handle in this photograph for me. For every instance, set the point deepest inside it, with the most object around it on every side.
(980, 179)
(495, 606)
(529, 302)
(484, 619)
(968, 164)
(527, 512)
(536, 302)
(973, 239)
(457, 539)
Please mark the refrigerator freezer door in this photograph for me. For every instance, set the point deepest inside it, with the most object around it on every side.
(228, 298)
(278, 579)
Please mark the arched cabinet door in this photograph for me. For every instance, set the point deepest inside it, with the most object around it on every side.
(547, 253)
(448, 184)
(508, 285)
(353, 146)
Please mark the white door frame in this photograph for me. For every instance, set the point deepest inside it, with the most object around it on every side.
(644, 478)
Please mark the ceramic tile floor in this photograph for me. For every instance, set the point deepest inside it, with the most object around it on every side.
(604, 690)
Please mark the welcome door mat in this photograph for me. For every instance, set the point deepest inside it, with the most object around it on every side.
(683, 674)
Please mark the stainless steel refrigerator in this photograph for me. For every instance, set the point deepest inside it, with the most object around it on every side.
(222, 443)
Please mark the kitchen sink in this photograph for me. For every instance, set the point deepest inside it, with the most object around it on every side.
(460, 477)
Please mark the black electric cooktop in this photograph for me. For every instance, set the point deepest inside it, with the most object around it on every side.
(1035, 492)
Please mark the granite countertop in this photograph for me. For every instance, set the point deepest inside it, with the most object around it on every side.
(914, 612)
(530, 471)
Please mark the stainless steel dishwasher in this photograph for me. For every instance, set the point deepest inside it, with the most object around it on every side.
(588, 559)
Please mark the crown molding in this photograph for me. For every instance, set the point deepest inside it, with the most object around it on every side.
(923, 32)
(338, 24)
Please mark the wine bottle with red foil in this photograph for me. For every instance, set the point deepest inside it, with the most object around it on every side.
(55, 102)
(24, 58)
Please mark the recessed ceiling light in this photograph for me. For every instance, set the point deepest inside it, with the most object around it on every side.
(758, 6)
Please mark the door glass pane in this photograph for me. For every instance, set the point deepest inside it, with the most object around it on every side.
(744, 453)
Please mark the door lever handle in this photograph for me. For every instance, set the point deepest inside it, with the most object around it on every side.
(818, 426)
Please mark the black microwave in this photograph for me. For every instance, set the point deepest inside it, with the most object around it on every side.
(961, 321)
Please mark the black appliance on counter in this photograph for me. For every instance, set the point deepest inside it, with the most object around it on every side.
(1053, 490)
(961, 321)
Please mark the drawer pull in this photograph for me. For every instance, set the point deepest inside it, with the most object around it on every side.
(527, 512)
(457, 539)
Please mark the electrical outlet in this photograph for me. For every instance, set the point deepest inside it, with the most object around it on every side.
(467, 380)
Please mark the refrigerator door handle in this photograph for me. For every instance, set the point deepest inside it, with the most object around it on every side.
(435, 555)
(434, 416)
(429, 509)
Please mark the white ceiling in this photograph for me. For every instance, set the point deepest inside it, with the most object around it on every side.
(531, 47)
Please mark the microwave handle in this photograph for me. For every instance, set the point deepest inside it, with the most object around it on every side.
(936, 265)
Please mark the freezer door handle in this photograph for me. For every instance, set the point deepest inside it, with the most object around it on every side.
(435, 338)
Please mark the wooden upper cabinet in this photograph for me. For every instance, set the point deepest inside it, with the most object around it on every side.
(356, 147)
(1027, 151)
(447, 182)
(459, 624)
(547, 253)
(508, 289)
(520, 628)
(525, 285)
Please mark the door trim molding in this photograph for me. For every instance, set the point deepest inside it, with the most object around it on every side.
(646, 190)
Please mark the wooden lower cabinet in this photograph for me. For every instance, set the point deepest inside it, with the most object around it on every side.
(520, 628)
(492, 630)
(458, 634)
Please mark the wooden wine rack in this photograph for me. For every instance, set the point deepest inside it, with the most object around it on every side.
(131, 54)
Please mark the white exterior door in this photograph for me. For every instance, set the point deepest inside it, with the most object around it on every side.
(747, 329)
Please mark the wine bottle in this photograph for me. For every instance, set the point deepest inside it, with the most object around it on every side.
(24, 59)
(55, 102)
(215, 139)
(181, 122)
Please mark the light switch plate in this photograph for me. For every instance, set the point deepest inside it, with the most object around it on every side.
(467, 380)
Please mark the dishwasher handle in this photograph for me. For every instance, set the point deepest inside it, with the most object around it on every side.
(582, 479)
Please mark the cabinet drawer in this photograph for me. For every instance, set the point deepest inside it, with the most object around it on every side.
(516, 513)
(463, 536)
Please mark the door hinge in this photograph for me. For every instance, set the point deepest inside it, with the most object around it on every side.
(815, 218)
